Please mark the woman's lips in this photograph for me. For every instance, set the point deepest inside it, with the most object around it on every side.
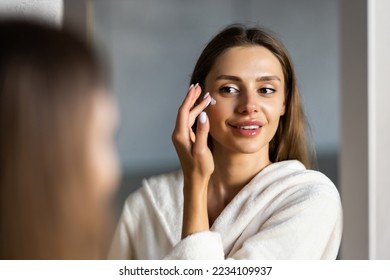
(248, 128)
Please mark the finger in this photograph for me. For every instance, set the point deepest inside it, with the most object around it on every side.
(198, 92)
(184, 110)
(192, 136)
(181, 136)
(191, 97)
(182, 116)
(202, 132)
(198, 109)
(182, 146)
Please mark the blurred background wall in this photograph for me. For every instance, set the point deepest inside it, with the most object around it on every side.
(153, 46)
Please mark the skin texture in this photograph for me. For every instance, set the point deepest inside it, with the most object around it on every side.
(248, 85)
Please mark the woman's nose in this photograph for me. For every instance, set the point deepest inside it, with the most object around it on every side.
(249, 104)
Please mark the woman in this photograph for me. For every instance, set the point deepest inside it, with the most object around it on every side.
(58, 165)
(244, 191)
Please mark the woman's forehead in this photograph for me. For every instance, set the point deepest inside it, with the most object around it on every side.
(247, 62)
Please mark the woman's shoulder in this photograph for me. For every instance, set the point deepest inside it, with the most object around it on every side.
(292, 175)
(157, 203)
(295, 189)
(157, 190)
(166, 180)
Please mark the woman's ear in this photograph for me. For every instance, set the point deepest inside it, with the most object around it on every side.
(283, 110)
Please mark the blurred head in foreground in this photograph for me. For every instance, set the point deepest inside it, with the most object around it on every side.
(58, 164)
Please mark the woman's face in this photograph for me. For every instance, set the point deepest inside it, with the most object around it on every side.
(248, 86)
(102, 155)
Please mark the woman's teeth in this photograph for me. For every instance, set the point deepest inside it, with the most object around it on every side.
(248, 127)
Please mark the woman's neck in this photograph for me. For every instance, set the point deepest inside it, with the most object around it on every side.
(234, 170)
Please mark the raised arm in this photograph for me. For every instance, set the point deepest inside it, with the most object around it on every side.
(195, 158)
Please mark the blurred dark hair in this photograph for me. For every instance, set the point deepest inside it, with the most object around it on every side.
(289, 141)
(47, 82)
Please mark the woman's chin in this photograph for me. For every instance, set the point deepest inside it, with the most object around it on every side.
(245, 148)
(248, 150)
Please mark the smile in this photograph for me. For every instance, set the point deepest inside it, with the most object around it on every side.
(248, 128)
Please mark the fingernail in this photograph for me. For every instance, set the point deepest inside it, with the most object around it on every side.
(206, 94)
(191, 86)
(203, 118)
(196, 85)
(213, 101)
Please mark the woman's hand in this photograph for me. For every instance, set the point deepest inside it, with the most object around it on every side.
(194, 154)
(195, 158)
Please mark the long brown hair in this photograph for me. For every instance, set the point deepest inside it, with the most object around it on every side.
(289, 141)
(47, 77)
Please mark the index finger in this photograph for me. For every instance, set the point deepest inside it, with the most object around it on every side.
(192, 95)
(185, 108)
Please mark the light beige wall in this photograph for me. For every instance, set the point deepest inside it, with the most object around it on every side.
(379, 118)
(365, 147)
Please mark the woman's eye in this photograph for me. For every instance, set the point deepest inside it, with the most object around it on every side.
(228, 90)
(266, 90)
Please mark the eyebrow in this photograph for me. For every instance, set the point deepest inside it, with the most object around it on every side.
(238, 79)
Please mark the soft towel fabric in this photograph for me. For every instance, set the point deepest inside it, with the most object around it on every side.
(285, 212)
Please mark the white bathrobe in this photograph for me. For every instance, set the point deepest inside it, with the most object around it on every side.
(285, 212)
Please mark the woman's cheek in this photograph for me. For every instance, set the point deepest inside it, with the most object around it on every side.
(218, 114)
(272, 110)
